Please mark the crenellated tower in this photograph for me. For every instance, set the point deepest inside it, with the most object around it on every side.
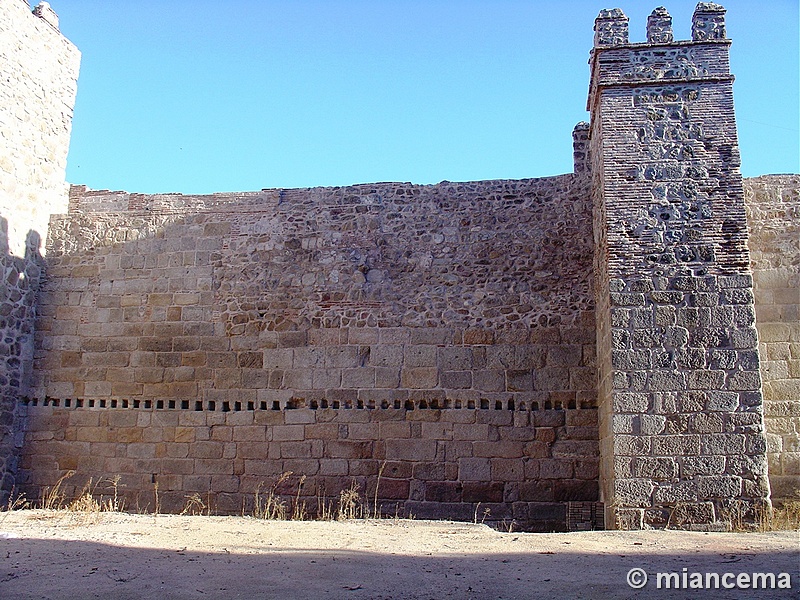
(681, 425)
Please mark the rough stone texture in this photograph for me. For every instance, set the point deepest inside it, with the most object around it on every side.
(463, 308)
(773, 209)
(659, 27)
(503, 465)
(444, 344)
(677, 353)
(39, 69)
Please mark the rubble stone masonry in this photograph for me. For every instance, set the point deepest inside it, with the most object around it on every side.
(533, 352)
(39, 70)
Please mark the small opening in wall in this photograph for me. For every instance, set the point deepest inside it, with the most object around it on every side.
(184, 405)
(359, 404)
(198, 405)
(521, 406)
(423, 404)
(159, 404)
(276, 405)
(237, 406)
(571, 404)
(102, 403)
(136, 404)
(548, 405)
(511, 404)
(78, 403)
(251, 406)
(113, 403)
(324, 403)
(212, 406)
(484, 404)
(336, 404)
(558, 405)
(384, 404)
(171, 404)
(498, 405)
(263, 405)
(56, 402)
(226, 407)
(91, 402)
(148, 404)
(397, 404)
(409, 405)
(534, 406)
(67, 403)
(314, 405)
(434, 404)
(471, 404)
(124, 404)
(371, 405)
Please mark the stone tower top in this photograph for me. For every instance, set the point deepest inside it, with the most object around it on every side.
(659, 27)
(708, 22)
(611, 26)
(46, 14)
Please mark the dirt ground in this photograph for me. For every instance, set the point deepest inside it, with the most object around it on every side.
(117, 556)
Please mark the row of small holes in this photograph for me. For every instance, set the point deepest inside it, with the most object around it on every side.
(225, 406)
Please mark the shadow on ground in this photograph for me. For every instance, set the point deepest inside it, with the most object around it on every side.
(75, 570)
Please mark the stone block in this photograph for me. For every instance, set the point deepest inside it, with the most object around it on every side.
(456, 379)
(419, 378)
(637, 493)
(287, 433)
(474, 469)
(482, 491)
(411, 449)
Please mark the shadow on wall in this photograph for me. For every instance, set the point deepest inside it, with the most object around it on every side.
(20, 284)
(457, 317)
(60, 569)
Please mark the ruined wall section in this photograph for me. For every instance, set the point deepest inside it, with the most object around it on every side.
(446, 328)
(773, 210)
(681, 421)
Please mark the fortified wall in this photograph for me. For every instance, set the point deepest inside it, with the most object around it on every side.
(563, 352)
(39, 71)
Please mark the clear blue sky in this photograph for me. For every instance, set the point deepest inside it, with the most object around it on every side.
(215, 95)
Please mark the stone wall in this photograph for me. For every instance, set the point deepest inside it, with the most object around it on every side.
(443, 349)
(446, 328)
(499, 466)
(773, 208)
(38, 68)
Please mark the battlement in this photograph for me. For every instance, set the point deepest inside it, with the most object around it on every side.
(611, 26)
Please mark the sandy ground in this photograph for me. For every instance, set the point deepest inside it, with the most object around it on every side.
(114, 556)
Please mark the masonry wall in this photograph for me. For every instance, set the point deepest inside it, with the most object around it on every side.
(773, 209)
(682, 435)
(38, 68)
(445, 329)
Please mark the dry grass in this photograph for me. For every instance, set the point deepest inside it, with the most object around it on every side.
(785, 517)
(351, 504)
